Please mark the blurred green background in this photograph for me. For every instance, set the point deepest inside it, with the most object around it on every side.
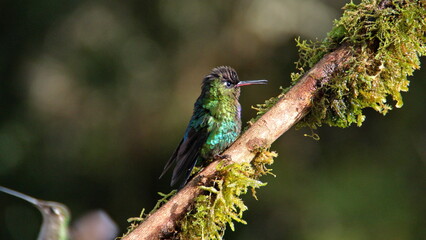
(95, 96)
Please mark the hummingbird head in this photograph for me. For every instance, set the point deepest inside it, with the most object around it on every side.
(224, 81)
(56, 218)
(54, 210)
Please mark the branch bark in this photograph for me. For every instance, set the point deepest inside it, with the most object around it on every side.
(292, 107)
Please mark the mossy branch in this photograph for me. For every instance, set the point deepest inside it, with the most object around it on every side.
(289, 110)
(365, 58)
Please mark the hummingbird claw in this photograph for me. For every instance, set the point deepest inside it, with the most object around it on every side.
(222, 157)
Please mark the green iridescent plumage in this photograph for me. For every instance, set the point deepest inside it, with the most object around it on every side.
(215, 123)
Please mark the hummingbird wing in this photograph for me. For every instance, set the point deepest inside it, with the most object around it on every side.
(172, 160)
(186, 154)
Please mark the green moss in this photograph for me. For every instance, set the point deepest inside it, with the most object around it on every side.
(136, 221)
(387, 41)
(221, 204)
(387, 44)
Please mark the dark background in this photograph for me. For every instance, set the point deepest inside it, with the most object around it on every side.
(95, 96)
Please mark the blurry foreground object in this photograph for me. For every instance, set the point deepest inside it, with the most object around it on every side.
(95, 225)
(56, 217)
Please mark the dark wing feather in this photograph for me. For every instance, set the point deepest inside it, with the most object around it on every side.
(186, 154)
(171, 160)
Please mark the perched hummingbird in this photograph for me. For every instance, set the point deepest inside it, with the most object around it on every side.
(215, 123)
(95, 225)
(56, 216)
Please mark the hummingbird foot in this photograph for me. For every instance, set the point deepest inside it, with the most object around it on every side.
(222, 157)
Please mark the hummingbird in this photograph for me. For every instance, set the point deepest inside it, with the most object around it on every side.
(56, 216)
(214, 125)
(95, 225)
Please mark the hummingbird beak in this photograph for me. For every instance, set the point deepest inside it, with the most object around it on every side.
(251, 82)
(19, 195)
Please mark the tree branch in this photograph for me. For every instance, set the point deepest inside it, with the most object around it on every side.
(292, 107)
(387, 50)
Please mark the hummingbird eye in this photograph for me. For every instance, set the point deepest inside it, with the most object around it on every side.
(227, 84)
(54, 210)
